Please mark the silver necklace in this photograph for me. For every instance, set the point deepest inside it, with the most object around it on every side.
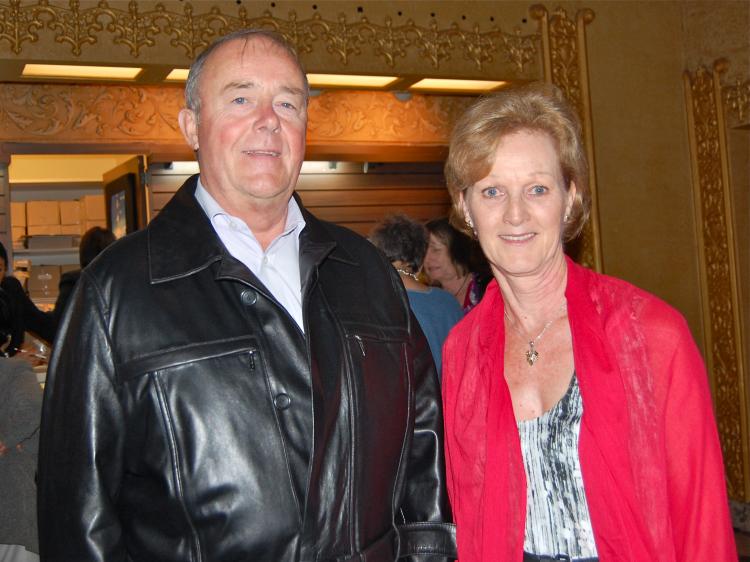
(532, 355)
(407, 273)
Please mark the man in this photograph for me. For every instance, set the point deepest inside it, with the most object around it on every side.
(241, 381)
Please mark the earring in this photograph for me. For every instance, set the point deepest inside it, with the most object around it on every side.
(566, 218)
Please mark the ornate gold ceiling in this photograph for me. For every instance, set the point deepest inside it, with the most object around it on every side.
(173, 33)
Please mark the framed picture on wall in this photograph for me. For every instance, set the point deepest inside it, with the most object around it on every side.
(122, 211)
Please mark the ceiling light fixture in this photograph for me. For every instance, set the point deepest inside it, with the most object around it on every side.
(458, 86)
(76, 71)
(349, 81)
(177, 75)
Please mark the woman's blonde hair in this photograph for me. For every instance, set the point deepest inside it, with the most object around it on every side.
(538, 107)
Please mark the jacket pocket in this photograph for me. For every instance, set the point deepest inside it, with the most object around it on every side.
(202, 453)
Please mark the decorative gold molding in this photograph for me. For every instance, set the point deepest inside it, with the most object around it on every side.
(68, 113)
(197, 24)
(381, 118)
(719, 273)
(93, 114)
(736, 98)
(566, 65)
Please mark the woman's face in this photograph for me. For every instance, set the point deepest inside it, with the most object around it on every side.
(437, 261)
(518, 209)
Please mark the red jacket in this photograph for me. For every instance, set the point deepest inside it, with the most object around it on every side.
(649, 450)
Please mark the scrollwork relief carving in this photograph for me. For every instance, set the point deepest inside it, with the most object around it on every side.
(95, 114)
(89, 114)
(192, 30)
(719, 274)
(341, 116)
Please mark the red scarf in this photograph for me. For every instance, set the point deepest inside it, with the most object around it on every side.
(649, 450)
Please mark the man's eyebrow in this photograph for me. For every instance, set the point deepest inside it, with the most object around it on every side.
(294, 91)
(249, 85)
(238, 86)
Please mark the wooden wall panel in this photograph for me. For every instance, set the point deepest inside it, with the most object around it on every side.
(356, 200)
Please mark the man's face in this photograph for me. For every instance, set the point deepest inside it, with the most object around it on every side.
(250, 133)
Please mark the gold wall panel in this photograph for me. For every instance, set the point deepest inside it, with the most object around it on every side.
(719, 271)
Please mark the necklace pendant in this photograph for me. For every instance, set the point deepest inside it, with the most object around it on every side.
(531, 355)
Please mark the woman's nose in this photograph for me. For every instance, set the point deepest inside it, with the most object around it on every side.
(515, 210)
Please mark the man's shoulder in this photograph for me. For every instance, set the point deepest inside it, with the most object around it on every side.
(121, 259)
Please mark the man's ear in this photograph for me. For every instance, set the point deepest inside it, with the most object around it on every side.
(189, 127)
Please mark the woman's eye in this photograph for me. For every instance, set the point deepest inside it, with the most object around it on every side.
(491, 192)
(239, 101)
(538, 190)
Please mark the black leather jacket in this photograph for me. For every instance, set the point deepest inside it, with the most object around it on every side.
(188, 418)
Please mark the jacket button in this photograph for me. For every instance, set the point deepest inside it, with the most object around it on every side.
(282, 401)
(249, 297)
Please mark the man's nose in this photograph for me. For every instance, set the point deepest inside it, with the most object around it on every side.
(267, 118)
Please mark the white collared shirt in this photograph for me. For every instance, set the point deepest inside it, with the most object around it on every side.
(277, 267)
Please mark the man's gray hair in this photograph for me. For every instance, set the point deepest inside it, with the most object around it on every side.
(192, 99)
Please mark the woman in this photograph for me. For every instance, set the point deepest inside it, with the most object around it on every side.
(578, 417)
(448, 263)
(404, 242)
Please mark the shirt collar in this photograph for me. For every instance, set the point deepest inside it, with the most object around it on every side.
(294, 219)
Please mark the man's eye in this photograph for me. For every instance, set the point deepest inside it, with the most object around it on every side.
(239, 101)
(288, 105)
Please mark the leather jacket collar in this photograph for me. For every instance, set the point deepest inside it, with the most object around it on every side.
(183, 219)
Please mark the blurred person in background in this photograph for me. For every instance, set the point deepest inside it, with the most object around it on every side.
(404, 243)
(578, 418)
(20, 409)
(454, 262)
(25, 314)
(93, 241)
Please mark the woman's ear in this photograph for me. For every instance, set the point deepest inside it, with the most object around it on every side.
(570, 200)
(465, 210)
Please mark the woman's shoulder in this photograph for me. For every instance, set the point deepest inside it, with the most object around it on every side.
(617, 299)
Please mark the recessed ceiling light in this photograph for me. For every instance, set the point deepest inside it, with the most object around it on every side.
(349, 81)
(177, 75)
(446, 85)
(76, 71)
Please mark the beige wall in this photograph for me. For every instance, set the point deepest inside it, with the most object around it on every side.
(642, 153)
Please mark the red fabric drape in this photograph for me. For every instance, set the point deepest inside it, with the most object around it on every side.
(649, 449)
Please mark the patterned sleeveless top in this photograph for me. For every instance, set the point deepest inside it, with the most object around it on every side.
(557, 515)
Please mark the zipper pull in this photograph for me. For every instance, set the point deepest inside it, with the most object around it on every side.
(361, 345)
(252, 360)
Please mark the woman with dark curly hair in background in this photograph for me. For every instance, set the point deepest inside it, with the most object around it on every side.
(404, 242)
